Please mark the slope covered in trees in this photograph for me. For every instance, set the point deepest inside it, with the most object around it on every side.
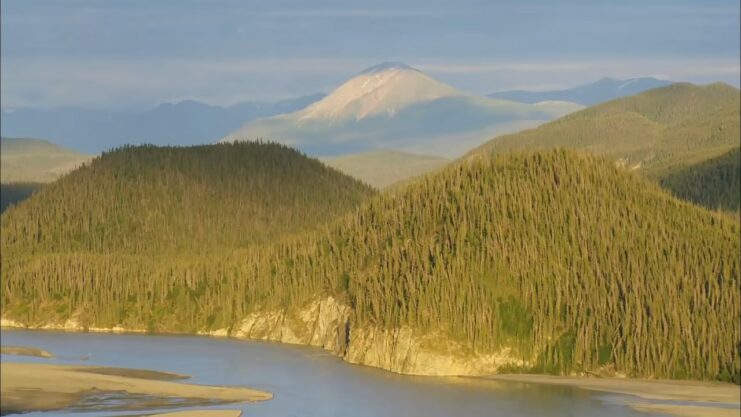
(714, 183)
(197, 199)
(569, 262)
(658, 132)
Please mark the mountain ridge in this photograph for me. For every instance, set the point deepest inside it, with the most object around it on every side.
(656, 131)
(31, 160)
(394, 106)
(604, 89)
(187, 122)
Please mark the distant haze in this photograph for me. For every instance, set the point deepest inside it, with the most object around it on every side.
(588, 94)
(136, 54)
(185, 123)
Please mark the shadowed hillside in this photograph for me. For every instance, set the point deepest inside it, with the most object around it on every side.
(14, 193)
(550, 261)
(714, 183)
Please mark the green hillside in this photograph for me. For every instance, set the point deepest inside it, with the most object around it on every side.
(15, 192)
(35, 160)
(385, 167)
(656, 132)
(567, 261)
(196, 199)
(714, 183)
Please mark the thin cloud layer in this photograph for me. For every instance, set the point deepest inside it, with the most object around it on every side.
(140, 53)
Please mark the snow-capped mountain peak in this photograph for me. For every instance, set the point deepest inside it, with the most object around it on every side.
(383, 89)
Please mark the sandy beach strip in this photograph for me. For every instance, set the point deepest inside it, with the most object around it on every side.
(687, 410)
(198, 413)
(37, 387)
(25, 351)
(668, 390)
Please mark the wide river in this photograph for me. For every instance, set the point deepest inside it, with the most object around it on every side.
(309, 382)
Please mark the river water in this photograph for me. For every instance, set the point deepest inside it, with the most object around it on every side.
(310, 382)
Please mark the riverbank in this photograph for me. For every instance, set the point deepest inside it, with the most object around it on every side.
(28, 387)
(705, 394)
(402, 353)
(198, 413)
(25, 351)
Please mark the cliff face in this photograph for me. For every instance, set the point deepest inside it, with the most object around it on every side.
(323, 323)
(406, 352)
(326, 323)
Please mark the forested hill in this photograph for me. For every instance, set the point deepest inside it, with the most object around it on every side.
(558, 259)
(657, 133)
(160, 199)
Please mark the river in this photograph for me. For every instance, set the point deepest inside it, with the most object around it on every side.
(310, 382)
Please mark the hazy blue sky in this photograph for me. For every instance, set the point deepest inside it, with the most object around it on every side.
(126, 54)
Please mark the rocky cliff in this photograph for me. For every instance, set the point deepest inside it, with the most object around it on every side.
(326, 323)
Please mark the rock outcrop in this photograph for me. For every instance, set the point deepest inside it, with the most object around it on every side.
(326, 323)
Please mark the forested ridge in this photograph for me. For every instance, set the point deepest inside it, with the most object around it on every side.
(657, 133)
(149, 199)
(573, 263)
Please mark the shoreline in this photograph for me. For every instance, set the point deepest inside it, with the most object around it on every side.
(687, 391)
(28, 387)
(704, 393)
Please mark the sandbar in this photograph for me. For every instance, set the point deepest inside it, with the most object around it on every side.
(37, 387)
(25, 351)
(728, 396)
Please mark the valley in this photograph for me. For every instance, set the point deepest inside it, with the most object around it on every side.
(402, 209)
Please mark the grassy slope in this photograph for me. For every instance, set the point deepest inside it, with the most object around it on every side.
(197, 199)
(383, 168)
(658, 131)
(36, 160)
(567, 260)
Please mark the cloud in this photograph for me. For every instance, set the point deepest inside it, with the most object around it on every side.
(680, 67)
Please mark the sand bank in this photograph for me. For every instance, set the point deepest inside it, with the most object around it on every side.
(199, 413)
(31, 387)
(25, 351)
(702, 392)
(687, 410)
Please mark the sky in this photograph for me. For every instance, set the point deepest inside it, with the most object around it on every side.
(138, 53)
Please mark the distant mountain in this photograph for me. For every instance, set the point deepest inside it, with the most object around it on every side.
(395, 106)
(35, 160)
(185, 123)
(658, 133)
(382, 168)
(589, 94)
